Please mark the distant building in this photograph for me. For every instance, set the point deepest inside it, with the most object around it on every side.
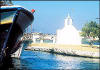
(40, 37)
(43, 38)
(27, 36)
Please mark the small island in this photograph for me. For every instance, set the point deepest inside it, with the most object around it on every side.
(67, 41)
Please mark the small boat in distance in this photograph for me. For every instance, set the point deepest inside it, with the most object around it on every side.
(13, 21)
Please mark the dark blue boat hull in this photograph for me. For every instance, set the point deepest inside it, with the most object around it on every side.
(10, 33)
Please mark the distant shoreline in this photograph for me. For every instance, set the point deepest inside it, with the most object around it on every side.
(70, 50)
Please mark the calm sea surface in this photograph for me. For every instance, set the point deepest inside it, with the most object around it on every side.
(44, 60)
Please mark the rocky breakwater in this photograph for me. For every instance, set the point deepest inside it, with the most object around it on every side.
(66, 50)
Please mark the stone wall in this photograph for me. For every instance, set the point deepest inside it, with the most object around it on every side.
(72, 52)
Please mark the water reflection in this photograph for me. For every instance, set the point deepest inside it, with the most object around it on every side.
(78, 62)
(44, 60)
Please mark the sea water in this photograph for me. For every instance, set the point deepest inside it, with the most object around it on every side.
(44, 60)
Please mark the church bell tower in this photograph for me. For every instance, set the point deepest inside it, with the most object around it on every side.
(68, 20)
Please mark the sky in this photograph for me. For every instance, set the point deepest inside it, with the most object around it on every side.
(49, 15)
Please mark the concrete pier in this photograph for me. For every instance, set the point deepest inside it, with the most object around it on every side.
(73, 50)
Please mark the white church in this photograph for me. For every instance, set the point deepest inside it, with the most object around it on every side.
(68, 34)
